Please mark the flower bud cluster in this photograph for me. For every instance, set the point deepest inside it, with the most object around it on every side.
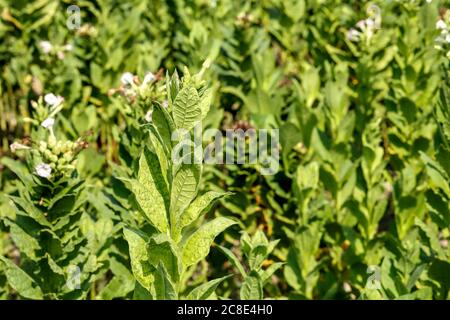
(133, 89)
(45, 110)
(365, 29)
(59, 156)
(54, 158)
(48, 48)
(443, 40)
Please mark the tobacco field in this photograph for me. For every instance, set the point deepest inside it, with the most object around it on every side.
(224, 149)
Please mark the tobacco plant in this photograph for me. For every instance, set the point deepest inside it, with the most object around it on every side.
(256, 251)
(59, 249)
(358, 90)
(167, 193)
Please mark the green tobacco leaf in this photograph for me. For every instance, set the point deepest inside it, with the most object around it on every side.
(54, 266)
(252, 287)
(186, 110)
(439, 271)
(139, 256)
(233, 260)
(19, 169)
(433, 237)
(120, 285)
(415, 275)
(24, 242)
(29, 210)
(197, 246)
(151, 191)
(421, 294)
(311, 85)
(162, 156)
(164, 288)
(199, 206)
(161, 249)
(20, 280)
(172, 87)
(164, 123)
(205, 290)
(259, 238)
(257, 256)
(436, 173)
(390, 278)
(184, 188)
(205, 103)
(290, 135)
(266, 274)
(140, 293)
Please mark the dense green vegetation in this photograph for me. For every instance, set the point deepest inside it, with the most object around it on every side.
(94, 205)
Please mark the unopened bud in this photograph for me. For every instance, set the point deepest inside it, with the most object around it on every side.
(51, 141)
(58, 148)
(68, 156)
(62, 161)
(48, 154)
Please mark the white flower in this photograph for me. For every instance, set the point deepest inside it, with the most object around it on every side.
(365, 28)
(444, 243)
(148, 116)
(43, 170)
(53, 100)
(18, 146)
(149, 77)
(447, 38)
(68, 47)
(361, 24)
(165, 104)
(127, 78)
(441, 24)
(353, 35)
(48, 123)
(370, 23)
(347, 287)
(46, 46)
(429, 1)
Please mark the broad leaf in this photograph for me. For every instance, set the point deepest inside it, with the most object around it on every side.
(199, 206)
(162, 155)
(24, 242)
(252, 287)
(140, 265)
(151, 192)
(197, 246)
(164, 288)
(184, 188)
(186, 110)
(205, 102)
(206, 290)
(233, 260)
(161, 250)
(266, 274)
(164, 123)
(20, 280)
